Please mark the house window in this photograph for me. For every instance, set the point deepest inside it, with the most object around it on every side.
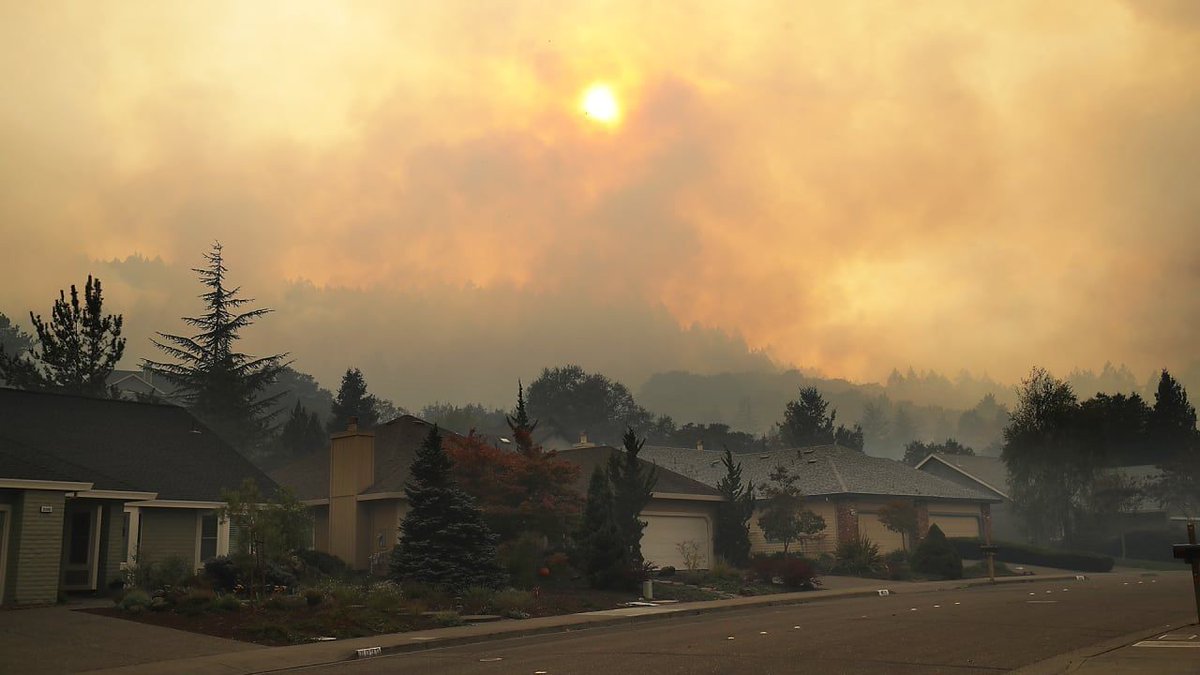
(208, 536)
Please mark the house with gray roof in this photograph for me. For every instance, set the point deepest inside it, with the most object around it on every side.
(88, 486)
(356, 491)
(846, 488)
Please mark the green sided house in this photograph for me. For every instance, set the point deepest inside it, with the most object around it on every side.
(88, 486)
(846, 488)
(356, 491)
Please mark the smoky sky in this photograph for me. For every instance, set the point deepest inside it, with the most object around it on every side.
(841, 186)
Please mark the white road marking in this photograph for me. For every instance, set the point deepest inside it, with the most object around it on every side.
(762, 632)
(958, 603)
(1041, 602)
(937, 606)
(729, 638)
(488, 659)
(913, 609)
(796, 627)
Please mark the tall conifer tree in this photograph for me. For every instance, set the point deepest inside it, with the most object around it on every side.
(443, 539)
(731, 538)
(220, 385)
(352, 400)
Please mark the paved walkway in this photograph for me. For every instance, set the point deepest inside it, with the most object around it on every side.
(61, 640)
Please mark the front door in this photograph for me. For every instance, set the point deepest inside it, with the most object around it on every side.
(81, 546)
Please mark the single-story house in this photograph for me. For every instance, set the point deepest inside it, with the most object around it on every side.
(356, 491)
(989, 475)
(983, 474)
(88, 486)
(846, 488)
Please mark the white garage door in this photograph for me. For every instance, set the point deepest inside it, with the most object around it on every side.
(870, 527)
(956, 526)
(663, 534)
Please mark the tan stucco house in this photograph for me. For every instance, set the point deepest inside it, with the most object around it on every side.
(846, 488)
(356, 491)
(88, 486)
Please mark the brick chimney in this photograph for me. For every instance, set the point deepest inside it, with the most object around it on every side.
(351, 470)
(583, 440)
(700, 444)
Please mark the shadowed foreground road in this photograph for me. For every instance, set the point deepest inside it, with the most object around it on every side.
(980, 630)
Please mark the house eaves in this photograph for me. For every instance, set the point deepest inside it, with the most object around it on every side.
(966, 473)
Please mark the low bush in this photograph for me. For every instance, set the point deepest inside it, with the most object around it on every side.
(435, 597)
(791, 572)
(858, 557)
(346, 594)
(513, 603)
(385, 597)
(222, 573)
(666, 571)
(194, 601)
(936, 556)
(521, 558)
(162, 574)
(134, 601)
(1010, 552)
(477, 600)
(897, 566)
(313, 597)
(721, 569)
(225, 603)
(321, 563)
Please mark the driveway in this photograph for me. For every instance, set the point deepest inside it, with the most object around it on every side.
(61, 640)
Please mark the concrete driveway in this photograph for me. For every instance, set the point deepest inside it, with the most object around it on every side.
(61, 640)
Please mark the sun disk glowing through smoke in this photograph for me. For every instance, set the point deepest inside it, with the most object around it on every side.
(600, 103)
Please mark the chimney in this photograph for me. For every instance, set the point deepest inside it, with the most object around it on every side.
(583, 438)
(700, 445)
(351, 470)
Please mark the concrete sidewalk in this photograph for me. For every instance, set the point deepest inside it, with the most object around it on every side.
(60, 640)
(283, 658)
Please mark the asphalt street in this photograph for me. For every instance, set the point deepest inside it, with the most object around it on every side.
(976, 630)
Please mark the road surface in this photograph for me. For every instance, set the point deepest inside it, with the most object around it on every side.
(977, 630)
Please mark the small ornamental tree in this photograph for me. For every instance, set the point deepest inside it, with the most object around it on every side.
(935, 555)
(443, 538)
(732, 532)
(780, 522)
(268, 530)
(810, 525)
(520, 424)
(529, 491)
(900, 517)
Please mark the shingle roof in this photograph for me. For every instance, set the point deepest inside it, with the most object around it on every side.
(118, 445)
(396, 444)
(669, 480)
(988, 471)
(822, 470)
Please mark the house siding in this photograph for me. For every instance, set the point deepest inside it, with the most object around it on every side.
(36, 548)
(825, 543)
(166, 533)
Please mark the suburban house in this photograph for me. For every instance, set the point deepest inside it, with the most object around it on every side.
(989, 475)
(89, 485)
(846, 488)
(983, 474)
(141, 385)
(356, 491)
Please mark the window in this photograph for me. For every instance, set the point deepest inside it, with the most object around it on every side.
(208, 536)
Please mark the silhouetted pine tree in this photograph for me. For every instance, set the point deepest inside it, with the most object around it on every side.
(443, 539)
(220, 385)
(520, 425)
(76, 350)
(731, 538)
(352, 400)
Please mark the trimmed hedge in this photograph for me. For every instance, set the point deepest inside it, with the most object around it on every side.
(1011, 552)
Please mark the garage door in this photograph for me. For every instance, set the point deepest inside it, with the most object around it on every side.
(870, 527)
(663, 534)
(956, 526)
